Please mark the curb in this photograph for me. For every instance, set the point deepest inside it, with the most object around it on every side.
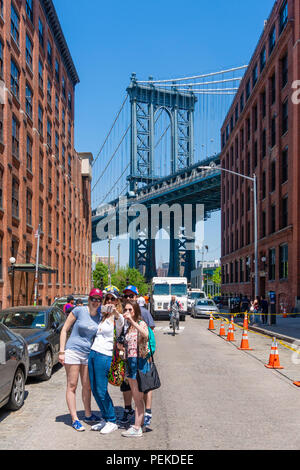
(272, 334)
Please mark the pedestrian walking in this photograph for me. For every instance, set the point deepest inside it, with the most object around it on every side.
(74, 353)
(264, 309)
(100, 359)
(136, 348)
(131, 293)
(174, 310)
(68, 307)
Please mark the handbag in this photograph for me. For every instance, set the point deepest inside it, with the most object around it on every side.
(150, 380)
(116, 372)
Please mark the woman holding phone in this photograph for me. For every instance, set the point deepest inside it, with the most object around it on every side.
(100, 359)
(74, 353)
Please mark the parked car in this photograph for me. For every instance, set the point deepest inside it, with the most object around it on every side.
(14, 365)
(204, 307)
(61, 301)
(40, 327)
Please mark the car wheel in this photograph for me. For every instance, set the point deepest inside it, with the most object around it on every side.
(17, 393)
(48, 366)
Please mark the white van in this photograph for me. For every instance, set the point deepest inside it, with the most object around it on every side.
(162, 289)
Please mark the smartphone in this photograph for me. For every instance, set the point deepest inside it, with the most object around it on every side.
(107, 308)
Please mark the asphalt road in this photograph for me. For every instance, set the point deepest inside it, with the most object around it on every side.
(213, 396)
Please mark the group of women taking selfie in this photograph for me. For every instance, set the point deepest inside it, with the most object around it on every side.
(88, 353)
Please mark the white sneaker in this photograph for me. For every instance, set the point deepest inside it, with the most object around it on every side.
(133, 432)
(109, 427)
(99, 426)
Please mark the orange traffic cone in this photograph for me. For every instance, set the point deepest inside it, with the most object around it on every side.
(230, 335)
(274, 357)
(245, 325)
(222, 330)
(245, 343)
(211, 323)
(232, 322)
(284, 313)
(297, 383)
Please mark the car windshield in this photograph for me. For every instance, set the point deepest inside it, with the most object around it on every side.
(161, 289)
(24, 320)
(205, 303)
(196, 295)
(178, 289)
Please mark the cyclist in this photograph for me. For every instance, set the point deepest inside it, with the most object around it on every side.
(174, 309)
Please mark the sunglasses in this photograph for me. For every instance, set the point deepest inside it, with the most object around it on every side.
(95, 299)
(128, 296)
(128, 309)
(110, 298)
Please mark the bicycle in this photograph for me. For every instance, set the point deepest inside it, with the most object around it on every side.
(174, 323)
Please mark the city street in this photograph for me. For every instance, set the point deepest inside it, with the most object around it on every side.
(213, 396)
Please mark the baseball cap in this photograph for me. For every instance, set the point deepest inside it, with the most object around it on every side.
(69, 298)
(113, 292)
(96, 292)
(132, 289)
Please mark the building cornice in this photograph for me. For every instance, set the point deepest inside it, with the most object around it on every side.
(59, 37)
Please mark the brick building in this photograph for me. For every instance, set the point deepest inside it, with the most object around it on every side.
(43, 180)
(261, 135)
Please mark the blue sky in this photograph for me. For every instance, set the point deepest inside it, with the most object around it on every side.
(166, 38)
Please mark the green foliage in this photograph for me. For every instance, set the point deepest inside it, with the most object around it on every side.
(216, 277)
(120, 278)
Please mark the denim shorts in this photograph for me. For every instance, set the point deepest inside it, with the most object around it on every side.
(134, 363)
(76, 357)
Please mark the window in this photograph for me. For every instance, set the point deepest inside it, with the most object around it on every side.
(49, 93)
(248, 89)
(273, 89)
(263, 184)
(57, 228)
(63, 121)
(28, 207)
(41, 217)
(285, 117)
(284, 212)
(41, 169)
(69, 131)
(63, 151)
(263, 104)
(248, 233)
(28, 101)
(56, 145)
(1, 59)
(41, 73)
(255, 154)
(63, 86)
(56, 107)
(57, 271)
(1, 255)
(255, 118)
(29, 48)
(273, 176)
(284, 165)
(284, 70)
(50, 178)
(241, 270)
(272, 39)
(248, 267)
(29, 153)
(14, 79)
(49, 54)
(283, 17)
(263, 224)
(272, 264)
(40, 120)
(49, 133)
(283, 261)
(273, 219)
(14, 24)
(15, 198)
(29, 9)
(70, 168)
(57, 70)
(57, 187)
(241, 102)
(263, 143)
(236, 113)
(70, 103)
(41, 33)
(263, 59)
(273, 131)
(15, 137)
(49, 224)
(254, 75)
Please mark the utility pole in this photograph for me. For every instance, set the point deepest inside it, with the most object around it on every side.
(109, 271)
(36, 279)
(118, 256)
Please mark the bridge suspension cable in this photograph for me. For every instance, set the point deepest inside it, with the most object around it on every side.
(194, 77)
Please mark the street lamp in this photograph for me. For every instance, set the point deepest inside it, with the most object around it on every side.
(254, 181)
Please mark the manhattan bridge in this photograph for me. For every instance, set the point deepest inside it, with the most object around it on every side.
(156, 154)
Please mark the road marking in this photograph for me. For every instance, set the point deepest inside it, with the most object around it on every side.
(167, 328)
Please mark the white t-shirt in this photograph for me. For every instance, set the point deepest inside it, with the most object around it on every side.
(141, 301)
(104, 341)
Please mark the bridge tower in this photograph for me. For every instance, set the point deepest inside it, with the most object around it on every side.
(146, 101)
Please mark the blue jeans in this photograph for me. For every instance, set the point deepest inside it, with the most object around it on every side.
(99, 365)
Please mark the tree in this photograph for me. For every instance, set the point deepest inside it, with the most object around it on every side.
(100, 274)
(120, 278)
(216, 277)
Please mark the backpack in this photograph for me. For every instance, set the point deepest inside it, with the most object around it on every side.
(151, 341)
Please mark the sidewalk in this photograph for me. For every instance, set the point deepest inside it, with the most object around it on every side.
(286, 329)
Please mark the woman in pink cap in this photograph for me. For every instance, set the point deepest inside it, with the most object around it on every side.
(74, 353)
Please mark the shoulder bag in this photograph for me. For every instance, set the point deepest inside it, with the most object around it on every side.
(150, 380)
(116, 372)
